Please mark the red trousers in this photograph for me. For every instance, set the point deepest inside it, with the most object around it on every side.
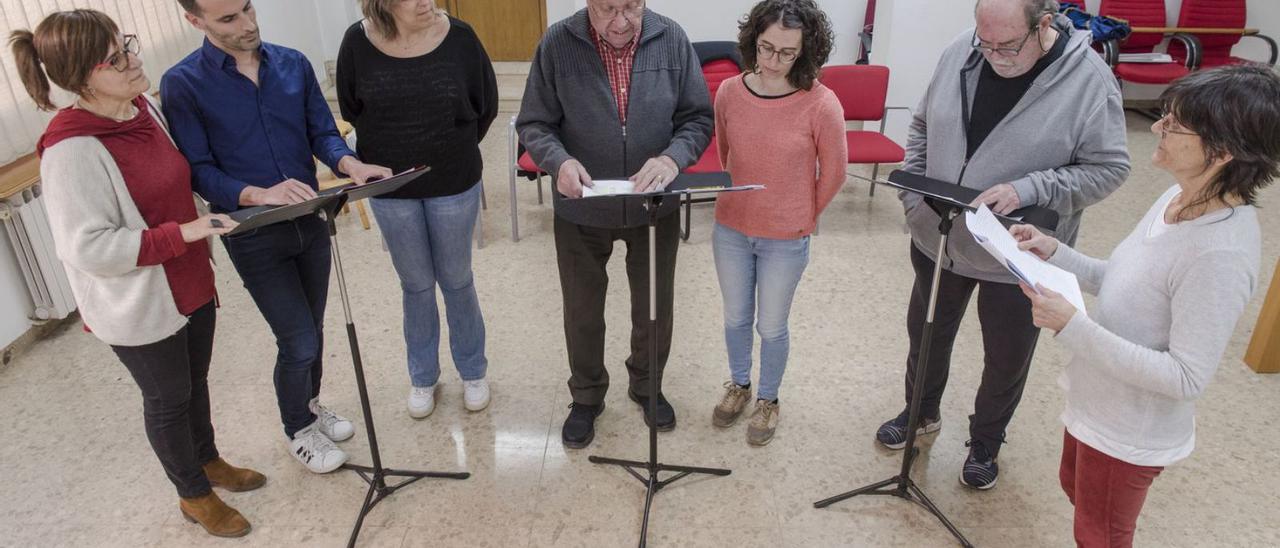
(1107, 492)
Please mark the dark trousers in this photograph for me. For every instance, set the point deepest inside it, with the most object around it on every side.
(582, 253)
(1008, 341)
(285, 268)
(173, 376)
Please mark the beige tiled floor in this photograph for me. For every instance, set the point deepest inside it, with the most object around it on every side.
(77, 470)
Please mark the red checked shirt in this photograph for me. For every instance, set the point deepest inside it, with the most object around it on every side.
(617, 65)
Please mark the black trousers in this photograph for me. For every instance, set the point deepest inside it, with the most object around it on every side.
(173, 377)
(1008, 341)
(582, 254)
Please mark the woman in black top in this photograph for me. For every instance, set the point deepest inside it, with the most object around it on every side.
(420, 90)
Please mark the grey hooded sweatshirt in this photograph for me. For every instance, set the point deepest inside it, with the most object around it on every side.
(569, 112)
(1063, 146)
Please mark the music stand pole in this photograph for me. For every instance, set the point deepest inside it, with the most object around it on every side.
(374, 475)
(652, 466)
(901, 485)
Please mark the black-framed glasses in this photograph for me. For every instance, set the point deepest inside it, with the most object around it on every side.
(1167, 125)
(120, 59)
(786, 55)
(1004, 52)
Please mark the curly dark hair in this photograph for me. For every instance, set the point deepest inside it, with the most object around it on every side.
(1235, 110)
(805, 15)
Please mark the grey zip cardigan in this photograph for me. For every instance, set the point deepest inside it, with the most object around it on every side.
(569, 112)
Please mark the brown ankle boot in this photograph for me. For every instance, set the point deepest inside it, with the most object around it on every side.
(233, 479)
(215, 516)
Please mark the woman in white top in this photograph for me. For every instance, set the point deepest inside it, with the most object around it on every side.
(1168, 301)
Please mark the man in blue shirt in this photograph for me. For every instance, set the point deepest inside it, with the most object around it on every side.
(249, 116)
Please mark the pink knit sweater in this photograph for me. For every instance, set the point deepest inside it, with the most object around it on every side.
(794, 145)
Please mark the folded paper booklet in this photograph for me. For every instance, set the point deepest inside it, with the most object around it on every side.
(995, 238)
(609, 187)
(1145, 58)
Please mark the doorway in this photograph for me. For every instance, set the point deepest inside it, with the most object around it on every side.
(509, 29)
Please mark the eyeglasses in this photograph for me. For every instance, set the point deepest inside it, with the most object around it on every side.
(1005, 52)
(1167, 125)
(787, 55)
(633, 11)
(120, 59)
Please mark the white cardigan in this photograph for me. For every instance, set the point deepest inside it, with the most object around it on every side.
(97, 231)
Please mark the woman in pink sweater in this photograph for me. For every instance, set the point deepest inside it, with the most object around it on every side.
(777, 126)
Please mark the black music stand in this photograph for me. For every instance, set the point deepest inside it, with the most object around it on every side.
(686, 184)
(327, 204)
(948, 200)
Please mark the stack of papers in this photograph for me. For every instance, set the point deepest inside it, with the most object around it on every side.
(1146, 58)
(609, 187)
(1028, 268)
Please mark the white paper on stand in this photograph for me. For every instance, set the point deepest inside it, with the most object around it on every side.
(609, 187)
(995, 238)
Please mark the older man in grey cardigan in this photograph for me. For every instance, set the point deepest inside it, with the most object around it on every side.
(580, 121)
(1023, 109)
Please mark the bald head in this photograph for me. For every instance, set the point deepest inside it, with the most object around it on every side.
(1030, 11)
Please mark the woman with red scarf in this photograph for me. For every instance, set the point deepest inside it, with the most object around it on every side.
(128, 230)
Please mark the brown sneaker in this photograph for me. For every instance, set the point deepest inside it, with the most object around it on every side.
(764, 420)
(731, 404)
(231, 478)
(215, 516)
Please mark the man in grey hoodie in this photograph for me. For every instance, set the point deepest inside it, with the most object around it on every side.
(580, 120)
(1023, 109)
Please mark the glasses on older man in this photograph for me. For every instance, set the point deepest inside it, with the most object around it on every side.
(785, 55)
(120, 59)
(632, 11)
(980, 45)
(1168, 125)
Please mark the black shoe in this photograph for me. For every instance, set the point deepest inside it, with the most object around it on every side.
(980, 469)
(666, 414)
(580, 427)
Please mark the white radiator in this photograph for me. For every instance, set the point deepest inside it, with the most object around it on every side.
(24, 220)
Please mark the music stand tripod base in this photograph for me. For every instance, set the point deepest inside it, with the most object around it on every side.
(375, 475)
(647, 471)
(901, 485)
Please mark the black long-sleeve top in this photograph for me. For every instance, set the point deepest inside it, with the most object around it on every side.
(430, 110)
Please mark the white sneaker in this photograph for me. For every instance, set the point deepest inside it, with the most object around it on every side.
(334, 426)
(475, 394)
(315, 450)
(422, 401)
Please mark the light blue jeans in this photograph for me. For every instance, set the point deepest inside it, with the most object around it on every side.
(758, 279)
(430, 244)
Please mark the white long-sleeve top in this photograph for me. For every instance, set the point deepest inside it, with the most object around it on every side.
(1167, 306)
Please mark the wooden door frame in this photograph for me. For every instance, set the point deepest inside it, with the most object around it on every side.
(452, 7)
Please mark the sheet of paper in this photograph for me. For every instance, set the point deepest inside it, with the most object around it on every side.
(995, 238)
(609, 187)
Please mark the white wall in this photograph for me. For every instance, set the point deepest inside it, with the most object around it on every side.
(296, 24)
(718, 19)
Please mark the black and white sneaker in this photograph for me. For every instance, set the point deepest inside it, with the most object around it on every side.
(315, 450)
(893, 434)
(980, 468)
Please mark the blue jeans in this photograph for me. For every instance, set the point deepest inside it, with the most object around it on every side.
(430, 244)
(758, 279)
(285, 268)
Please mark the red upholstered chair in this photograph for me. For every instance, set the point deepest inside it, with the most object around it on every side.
(720, 61)
(862, 90)
(1149, 14)
(1219, 15)
(521, 166)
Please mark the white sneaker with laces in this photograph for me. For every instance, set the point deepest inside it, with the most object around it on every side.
(422, 401)
(315, 450)
(475, 394)
(334, 426)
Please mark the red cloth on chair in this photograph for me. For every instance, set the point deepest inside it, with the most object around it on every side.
(1150, 73)
(525, 163)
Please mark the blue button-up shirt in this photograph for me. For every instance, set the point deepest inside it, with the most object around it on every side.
(236, 134)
